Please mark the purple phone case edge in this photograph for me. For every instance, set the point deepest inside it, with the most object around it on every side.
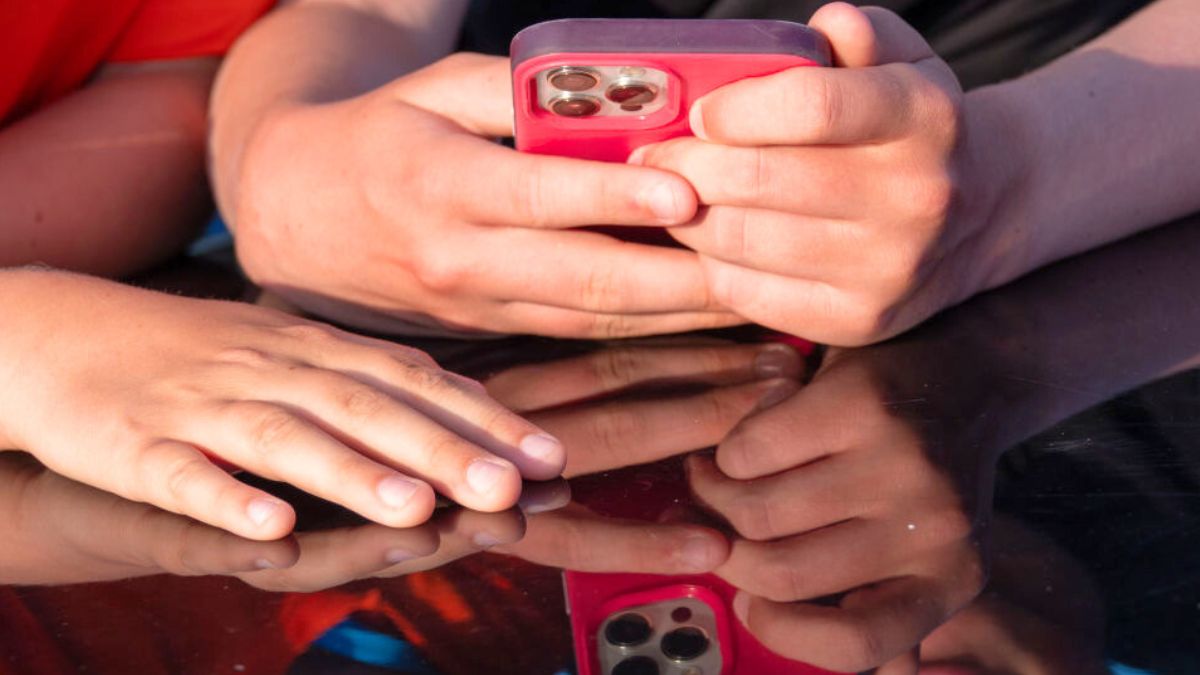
(669, 36)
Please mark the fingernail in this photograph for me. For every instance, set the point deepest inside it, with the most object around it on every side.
(264, 564)
(542, 446)
(397, 491)
(396, 556)
(485, 540)
(776, 360)
(662, 200)
(777, 391)
(696, 121)
(637, 157)
(262, 510)
(697, 554)
(741, 606)
(484, 474)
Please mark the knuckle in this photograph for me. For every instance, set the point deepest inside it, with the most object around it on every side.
(311, 332)
(406, 354)
(271, 429)
(610, 326)
(930, 198)
(532, 202)
(600, 290)
(616, 368)
(440, 271)
(823, 101)
(753, 518)
(447, 451)
(615, 434)
(179, 476)
(732, 226)
(244, 356)
(361, 402)
(419, 377)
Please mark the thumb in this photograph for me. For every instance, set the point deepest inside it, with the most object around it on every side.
(472, 90)
(869, 36)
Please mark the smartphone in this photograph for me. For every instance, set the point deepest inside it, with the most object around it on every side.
(645, 624)
(600, 88)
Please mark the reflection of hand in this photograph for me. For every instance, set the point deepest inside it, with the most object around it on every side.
(605, 408)
(840, 204)
(837, 491)
(57, 531)
(396, 207)
(162, 384)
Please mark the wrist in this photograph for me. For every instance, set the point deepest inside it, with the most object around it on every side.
(998, 174)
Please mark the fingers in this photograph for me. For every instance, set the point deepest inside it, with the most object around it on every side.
(574, 538)
(610, 370)
(332, 558)
(539, 191)
(795, 246)
(180, 545)
(465, 533)
(278, 443)
(853, 104)
(818, 182)
(181, 479)
(872, 627)
(636, 431)
(573, 270)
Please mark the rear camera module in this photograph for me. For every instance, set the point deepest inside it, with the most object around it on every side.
(684, 644)
(631, 95)
(628, 630)
(637, 665)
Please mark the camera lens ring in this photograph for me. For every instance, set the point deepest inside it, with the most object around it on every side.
(636, 665)
(684, 644)
(573, 79)
(628, 630)
(574, 105)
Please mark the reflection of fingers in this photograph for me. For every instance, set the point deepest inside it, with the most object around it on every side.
(335, 557)
(610, 370)
(542, 497)
(872, 626)
(908, 663)
(624, 433)
(183, 546)
(464, 533)
(576, 539)
(551, 321)
(830, 560)
(785, 504)
(179, 478)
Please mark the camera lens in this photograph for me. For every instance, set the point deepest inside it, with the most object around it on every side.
(637, 665)
(631, 94)
(627, 630)
(574, 105)
(574, 79)
(684, 644)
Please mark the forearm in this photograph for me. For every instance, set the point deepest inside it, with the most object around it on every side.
(317, 52)
(1096, 146)
(110, 180)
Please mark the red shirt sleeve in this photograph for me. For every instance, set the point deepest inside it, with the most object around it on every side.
(174, 29)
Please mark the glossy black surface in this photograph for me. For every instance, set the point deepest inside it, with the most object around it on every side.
(1043, 440)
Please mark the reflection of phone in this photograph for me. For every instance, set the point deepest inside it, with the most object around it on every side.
(643, 624)
(600, 88)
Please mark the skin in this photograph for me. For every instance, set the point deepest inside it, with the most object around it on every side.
(846, 205)
(166, 391)
(128, 149)
(375, 127)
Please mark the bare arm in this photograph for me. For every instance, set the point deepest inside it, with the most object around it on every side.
(319, 51)
(1106, 139)
(110, 179)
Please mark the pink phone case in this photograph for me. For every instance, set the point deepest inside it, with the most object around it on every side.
(697, 55)
(649, 493)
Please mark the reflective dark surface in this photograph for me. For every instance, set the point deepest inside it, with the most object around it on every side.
(1015, 485)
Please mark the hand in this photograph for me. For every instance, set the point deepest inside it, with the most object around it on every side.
(841, 204)
(138, 393)
(631, 405)
(396, 208)
(843, 491)
(58, 531)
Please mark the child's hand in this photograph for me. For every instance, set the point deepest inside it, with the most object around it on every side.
(137, 392)
(398, 208)
(837, 203)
